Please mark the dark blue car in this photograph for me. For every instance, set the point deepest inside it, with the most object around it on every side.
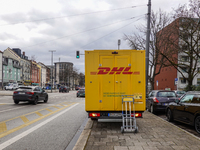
(158, 100)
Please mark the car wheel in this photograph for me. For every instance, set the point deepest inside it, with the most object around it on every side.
(46, 99)
(152, 109)
(197, 124)
(16, 102)
(35, 101)
(169, 115)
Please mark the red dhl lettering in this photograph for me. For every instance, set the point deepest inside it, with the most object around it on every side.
(114, 70)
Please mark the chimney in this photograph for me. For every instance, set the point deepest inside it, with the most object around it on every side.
(24, 53)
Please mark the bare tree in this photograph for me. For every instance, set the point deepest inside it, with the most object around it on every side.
(137, 41)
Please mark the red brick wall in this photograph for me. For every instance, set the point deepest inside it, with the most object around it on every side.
(168, 74)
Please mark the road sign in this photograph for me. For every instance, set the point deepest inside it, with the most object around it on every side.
(157, 82)
(176, 79)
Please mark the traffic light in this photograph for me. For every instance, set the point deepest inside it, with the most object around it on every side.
(77, 54)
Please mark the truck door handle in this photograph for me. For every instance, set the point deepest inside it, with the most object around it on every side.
(116, 81)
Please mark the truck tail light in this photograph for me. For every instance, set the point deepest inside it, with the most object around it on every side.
(155, 100)
(137, 115)
(94, 114)
(31, 93)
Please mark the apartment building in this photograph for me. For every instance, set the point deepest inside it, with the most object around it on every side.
(178, 49)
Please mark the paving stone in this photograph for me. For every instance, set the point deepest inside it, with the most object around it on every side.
(121, 148)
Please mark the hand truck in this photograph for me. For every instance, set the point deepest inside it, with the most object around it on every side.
(128, 116)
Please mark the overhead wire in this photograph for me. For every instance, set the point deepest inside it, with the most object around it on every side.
(71, 15)
(82, 31)
(111, 33)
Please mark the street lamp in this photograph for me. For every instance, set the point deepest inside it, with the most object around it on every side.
(52, 68)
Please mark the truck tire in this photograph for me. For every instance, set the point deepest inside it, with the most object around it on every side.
(16, 102)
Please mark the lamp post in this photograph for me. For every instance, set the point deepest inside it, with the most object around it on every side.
(52, 68)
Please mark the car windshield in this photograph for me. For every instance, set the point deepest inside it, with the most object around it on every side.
(166, 94)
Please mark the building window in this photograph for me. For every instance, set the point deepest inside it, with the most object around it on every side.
(198, 70)
(198, 81)
(183, 80)
(184, 69)
(184, 58)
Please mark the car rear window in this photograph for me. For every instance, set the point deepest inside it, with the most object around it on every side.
(25, 88)
(166, 94)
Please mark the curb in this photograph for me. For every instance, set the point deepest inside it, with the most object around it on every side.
(81, 143)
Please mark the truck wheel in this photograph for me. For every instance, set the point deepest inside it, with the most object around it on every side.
(16, 102)
(136, 130)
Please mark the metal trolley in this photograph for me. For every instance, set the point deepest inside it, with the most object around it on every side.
(128, 115)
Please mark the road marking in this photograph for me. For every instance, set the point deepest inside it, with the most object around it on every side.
(49, 110)
(39, 114)
(13, 109)
(3, 127)
(24, 119)
(18, 137)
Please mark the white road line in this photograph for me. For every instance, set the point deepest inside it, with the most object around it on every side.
(18, 137)
(12, 109)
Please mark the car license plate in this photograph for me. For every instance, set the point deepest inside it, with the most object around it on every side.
(114, 114)
(165, 104)
(21, 93)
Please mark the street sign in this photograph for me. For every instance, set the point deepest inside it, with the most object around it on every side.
(176, 81)
(157, 83)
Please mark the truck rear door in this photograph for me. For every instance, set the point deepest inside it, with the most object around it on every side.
(115, 80)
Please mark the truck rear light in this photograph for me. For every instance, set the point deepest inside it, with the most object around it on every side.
(94, 114)
(31, 93)
(137, 115)
(155, 100)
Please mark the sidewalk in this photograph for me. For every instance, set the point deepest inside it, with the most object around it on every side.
(154, 133)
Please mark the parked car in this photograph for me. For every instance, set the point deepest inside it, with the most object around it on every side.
(31, 94)
(11, 86)
(186, 110)
(180, 93)
(81, 92)
(158, 100)
(64, 89)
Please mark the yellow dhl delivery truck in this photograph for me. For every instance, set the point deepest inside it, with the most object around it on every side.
(111, 74)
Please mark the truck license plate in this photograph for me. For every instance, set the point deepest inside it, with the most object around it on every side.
(114, 114)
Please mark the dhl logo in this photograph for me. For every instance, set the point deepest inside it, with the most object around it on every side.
(114, 70)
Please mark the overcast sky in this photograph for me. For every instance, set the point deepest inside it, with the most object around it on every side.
(37, 26)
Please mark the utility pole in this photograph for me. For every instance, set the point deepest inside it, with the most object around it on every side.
(147, 43)
(52, 68)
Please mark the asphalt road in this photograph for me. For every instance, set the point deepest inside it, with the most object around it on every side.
(50, 125)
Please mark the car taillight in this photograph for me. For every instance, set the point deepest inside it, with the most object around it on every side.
(64, 88)
(15, 92)
(94, 114)
(155, 100)
(31, 93)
